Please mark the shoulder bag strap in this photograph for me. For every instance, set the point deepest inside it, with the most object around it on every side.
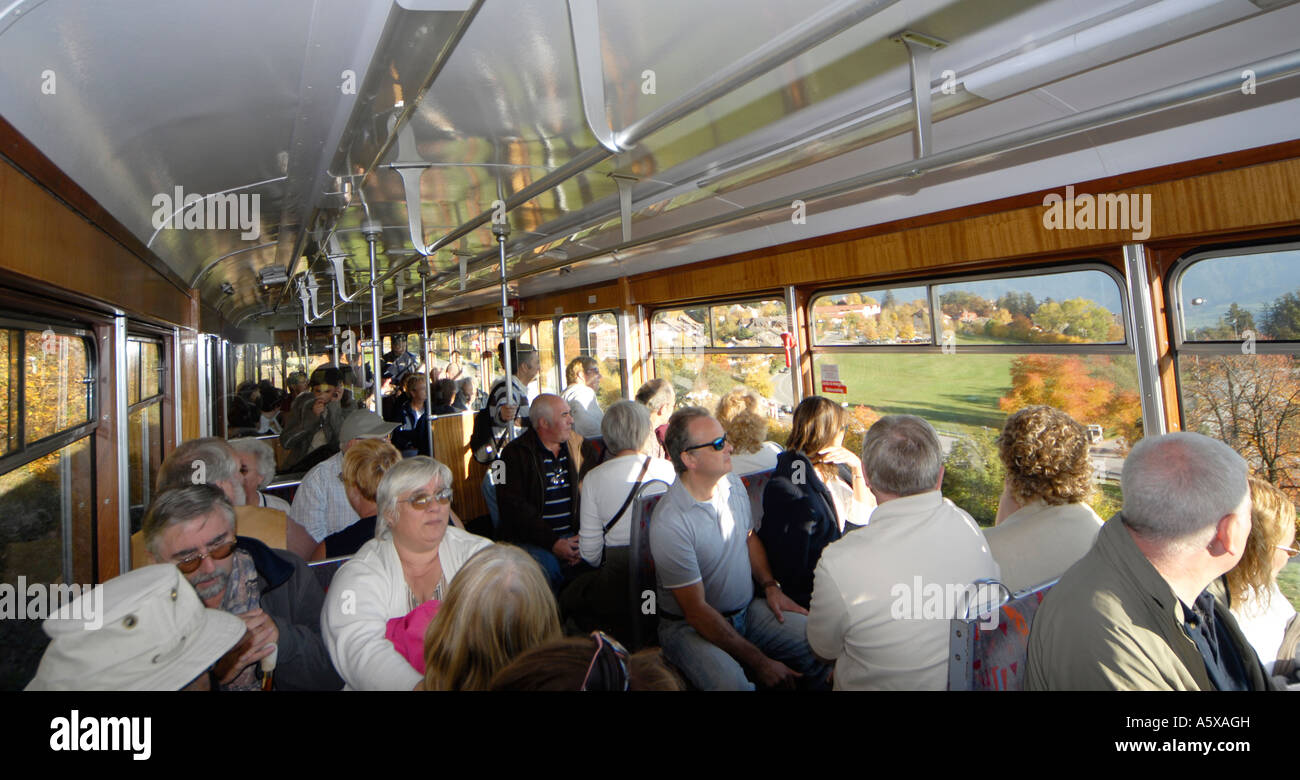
(631, 494)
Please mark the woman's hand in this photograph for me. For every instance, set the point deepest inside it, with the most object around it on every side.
(841, 456)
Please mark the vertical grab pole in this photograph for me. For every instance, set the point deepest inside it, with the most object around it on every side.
(371, 231)
(502, 231)
(334, 326)
(424, 347)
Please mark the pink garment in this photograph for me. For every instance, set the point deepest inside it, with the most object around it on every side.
(407, 633)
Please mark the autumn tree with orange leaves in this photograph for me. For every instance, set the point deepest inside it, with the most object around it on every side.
(1065, 382)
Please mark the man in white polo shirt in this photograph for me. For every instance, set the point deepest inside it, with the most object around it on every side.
(707, 559)
(919, 549)
(321, 503)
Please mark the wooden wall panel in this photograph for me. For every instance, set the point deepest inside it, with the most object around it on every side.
(107, 532)
(451, 446)
(188, 366)
(43, 240)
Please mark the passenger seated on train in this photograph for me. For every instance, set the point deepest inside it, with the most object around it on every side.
(658, 396)
(817, 493)
(740, 412)
(454, 370)
(1264, 614)
(1138, 611)
(407, 409)
(272, 591)
(599, 598)
(583, 377)
(1043, 523)
(498, 607)
(364, 465)
(256, 470)
(587, 663)
(269, 422)
(295, 385)
(313, 424)
(874, 591)
(399, 362)
(149, 633)
(466, 394)
(321, 503)
(707, 560)
(539, 502)
(413, 558)
(214, 461)
(444, 398)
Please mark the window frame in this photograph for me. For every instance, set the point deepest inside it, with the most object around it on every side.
(1177, 314)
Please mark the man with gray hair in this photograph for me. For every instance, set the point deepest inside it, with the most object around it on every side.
(883, 594)
(658, 396)
(279, 599)
(1139, 612)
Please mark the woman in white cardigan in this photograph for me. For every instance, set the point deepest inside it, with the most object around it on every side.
(413, 558)
(1044, 524)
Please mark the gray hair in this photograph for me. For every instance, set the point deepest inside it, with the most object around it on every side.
(544, 407)
(901, 455)
(180, 468)
(678, 436)
(626, 426)
(180, 505)
(1178, 485)
(403, 477)
(265, 457)
(656, 394)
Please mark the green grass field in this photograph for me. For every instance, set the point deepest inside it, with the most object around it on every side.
(952, 394)
(1289, 581)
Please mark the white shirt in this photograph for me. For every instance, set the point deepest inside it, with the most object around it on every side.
(1264, 625)
(604, 490)
(367, 592)
(848, 509)
(867, 586)
(1038, 542)
(272, 502)
(587, 413)
(750, 462)
(321, 504)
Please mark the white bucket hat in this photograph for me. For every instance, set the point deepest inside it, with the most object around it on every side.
(153, 634)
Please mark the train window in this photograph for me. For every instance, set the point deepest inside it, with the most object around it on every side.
(596, 336)
(551, 379)
(899, 315)
(144, 420)
(9, 374)
(1002, 343)
(1238, 354)
(705, 351)
(56, 383)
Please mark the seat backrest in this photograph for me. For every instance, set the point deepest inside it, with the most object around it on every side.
(326, 569)
(754, 485)
(990, 656)
(641, 565)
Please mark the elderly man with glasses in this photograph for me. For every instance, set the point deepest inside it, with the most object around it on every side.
(707, 561)
(272, 591)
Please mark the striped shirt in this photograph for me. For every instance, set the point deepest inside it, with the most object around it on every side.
(558, 511)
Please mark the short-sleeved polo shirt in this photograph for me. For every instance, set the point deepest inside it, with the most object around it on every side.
(703, 541)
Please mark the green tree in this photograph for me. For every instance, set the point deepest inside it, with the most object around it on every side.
(973, 475)
(1079, 318)
(1282, 317)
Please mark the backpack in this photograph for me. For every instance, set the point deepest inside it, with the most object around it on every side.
(485, 446)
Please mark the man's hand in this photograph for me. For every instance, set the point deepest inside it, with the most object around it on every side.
(774, 674)
(779, 602)
(262, 636)
(507, 412)
(566, 550)
(318, 406)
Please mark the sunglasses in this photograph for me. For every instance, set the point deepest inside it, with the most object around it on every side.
(1291, 552)
(608, 668)
(218, 553)
(425, 502)
(716, 444)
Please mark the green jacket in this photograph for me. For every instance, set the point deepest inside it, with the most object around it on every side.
(1113, 623)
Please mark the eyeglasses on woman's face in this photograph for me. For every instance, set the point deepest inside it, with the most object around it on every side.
(425, 502)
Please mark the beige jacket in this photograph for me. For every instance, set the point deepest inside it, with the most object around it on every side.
(1113, 623)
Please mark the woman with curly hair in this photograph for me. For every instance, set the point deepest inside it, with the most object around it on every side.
(1043, 524)
(1265, 616)
(746, 428)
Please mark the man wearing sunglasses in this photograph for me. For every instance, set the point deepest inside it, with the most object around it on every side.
(707, 561)
(272, 591)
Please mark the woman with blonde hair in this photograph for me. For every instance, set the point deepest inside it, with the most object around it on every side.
(1266, 618)
(499, 606)
(1044, 524)
(364, 465)
(742, 418)
(817, 493)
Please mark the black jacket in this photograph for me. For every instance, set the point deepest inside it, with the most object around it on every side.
(523, 495)
(799, 520)
(293, 598)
